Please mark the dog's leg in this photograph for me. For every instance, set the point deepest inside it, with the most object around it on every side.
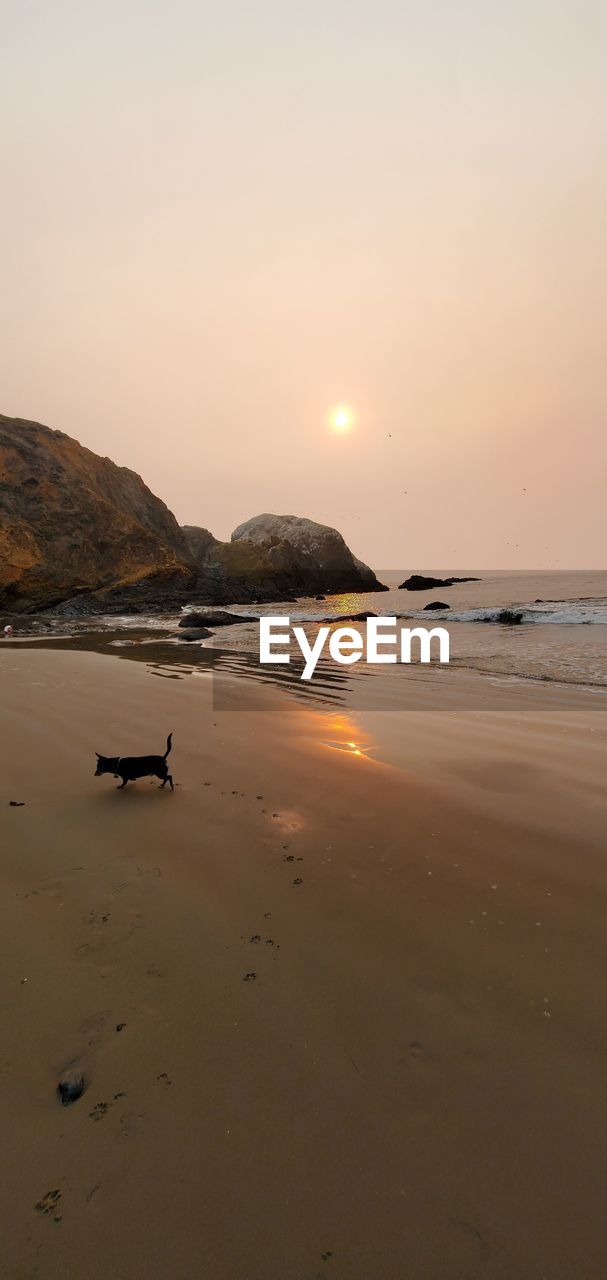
(122, 784)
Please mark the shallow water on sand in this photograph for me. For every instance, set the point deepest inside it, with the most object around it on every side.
(560, 641)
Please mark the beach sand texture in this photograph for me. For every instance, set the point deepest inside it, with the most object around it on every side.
(339, 1015)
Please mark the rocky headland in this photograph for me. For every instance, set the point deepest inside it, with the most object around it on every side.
(80, 535)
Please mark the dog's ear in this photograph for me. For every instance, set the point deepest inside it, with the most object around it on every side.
(99, 757)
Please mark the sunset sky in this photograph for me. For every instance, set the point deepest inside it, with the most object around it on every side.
(223, 220)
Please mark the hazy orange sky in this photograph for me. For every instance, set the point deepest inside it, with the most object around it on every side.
(220, 219)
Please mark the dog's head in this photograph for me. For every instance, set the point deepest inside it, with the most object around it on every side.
(105, 764)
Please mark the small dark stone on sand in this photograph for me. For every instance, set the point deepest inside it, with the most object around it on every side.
(16, 804)
(71, 1087)
(120, 1026)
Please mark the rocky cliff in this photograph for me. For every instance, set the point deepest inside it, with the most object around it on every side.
(72, 522)
(79, 534)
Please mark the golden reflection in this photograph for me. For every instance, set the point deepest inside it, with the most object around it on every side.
(337, 732)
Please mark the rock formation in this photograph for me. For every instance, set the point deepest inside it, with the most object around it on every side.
(80, 535)
(72, 522)
(312, 555)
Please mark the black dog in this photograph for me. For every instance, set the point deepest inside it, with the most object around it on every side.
(131, 767)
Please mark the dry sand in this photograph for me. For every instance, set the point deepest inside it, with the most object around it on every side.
(412, 1084)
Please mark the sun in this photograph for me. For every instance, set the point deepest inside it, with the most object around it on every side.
(341, 419)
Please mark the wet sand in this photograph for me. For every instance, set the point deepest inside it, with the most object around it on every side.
(359, 981)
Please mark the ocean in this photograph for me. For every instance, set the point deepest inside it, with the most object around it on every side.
(560, 642)
(561, 636)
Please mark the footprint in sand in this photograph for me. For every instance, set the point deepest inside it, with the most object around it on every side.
(132, 1122)
(50, 1204)
(96, 917)
(297, 881)
(250, 977)
(101, 1108)
(256, 938)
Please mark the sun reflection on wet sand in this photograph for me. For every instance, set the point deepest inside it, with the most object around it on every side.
(337, 732)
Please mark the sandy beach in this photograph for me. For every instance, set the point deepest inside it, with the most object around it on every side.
(339, 1005)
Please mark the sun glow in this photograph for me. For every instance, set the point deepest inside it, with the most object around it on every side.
(341, 419)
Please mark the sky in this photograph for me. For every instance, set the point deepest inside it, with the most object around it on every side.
(222, 218)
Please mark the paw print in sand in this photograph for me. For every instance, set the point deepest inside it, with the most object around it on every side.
(50, 1204)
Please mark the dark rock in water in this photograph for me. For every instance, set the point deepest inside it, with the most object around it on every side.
(212, 618)
(510, 617)
(71, 1087)
(436, 604)
(195, 633)
(320, 597)
(417, 582)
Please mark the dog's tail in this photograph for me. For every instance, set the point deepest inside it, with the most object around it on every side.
(168, 746)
